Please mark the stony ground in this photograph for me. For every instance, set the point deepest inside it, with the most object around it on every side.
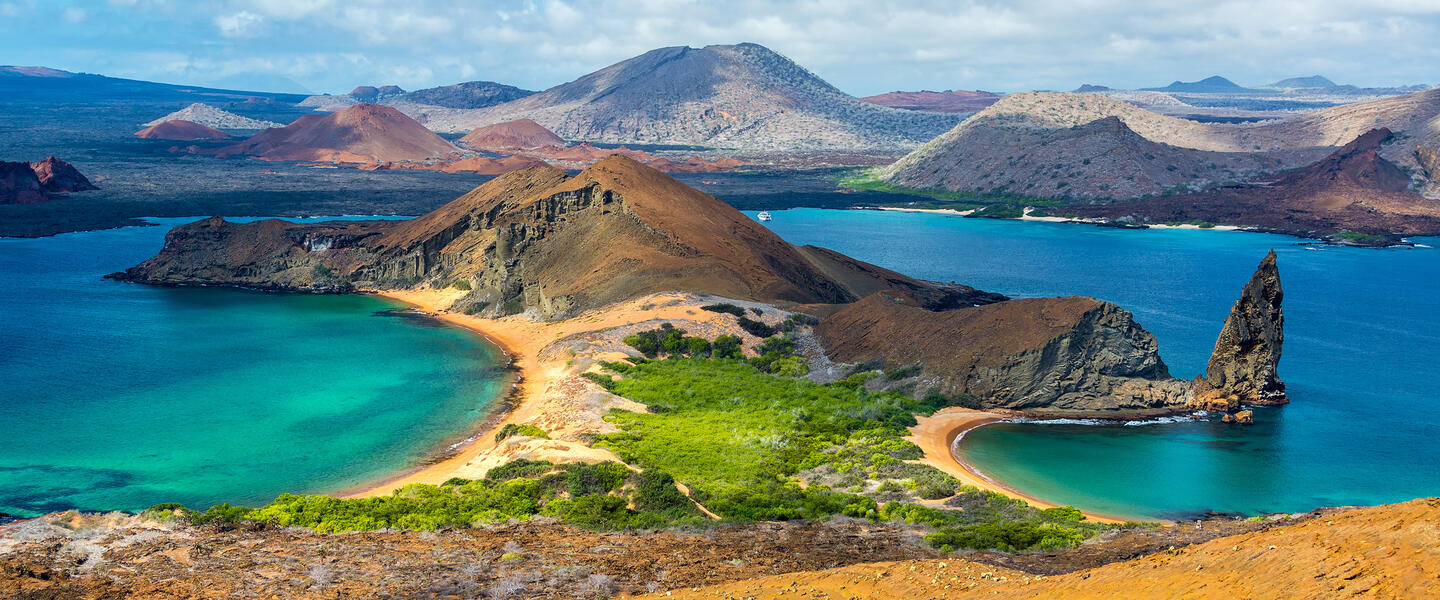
(68, 556)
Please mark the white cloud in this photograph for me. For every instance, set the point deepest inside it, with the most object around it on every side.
(862, 46)
(74, 14)
(240, 24)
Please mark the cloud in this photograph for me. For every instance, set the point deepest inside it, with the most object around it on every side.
(240, 24)
(74, 14)
(862, 46)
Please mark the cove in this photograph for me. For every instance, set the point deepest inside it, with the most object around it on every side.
(118, 396)
(1362, 332)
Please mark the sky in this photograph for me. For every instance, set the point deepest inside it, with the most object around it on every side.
(862, 47)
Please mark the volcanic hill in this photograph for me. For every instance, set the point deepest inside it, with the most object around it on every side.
(181, 130)
(467, 95)
(209, 116)
(1092, 147)
(952, 101)
(1353, 189)
(537, 241)
(740, 96)
(1079, 145)
(359, 134)
(520, 134)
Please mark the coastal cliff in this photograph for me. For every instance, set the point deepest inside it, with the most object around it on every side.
(1243, 367)
(1053, 354)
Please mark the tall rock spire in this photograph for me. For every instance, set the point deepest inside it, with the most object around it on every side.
(1242, 369)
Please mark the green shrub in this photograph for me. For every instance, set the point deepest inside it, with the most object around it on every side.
(756, 328)
(725, 307)
(904, 372)
(322, 271)
(655, 492)
(522, 429)
(461, 284)
(223, 514)
(726, 346)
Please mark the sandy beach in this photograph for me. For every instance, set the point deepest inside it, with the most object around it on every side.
(936, 211)
(549, 392)
(936, 435)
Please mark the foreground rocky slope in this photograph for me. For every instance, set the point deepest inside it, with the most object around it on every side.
(741, 96)
(1380, 552)
(67, 556)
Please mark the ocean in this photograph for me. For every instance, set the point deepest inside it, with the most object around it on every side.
(119, 396)
(1360, 359)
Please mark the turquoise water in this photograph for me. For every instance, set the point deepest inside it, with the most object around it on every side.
(1360, 359)
(120, 396)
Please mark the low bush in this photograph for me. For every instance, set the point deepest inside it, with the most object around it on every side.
(725, 307)
(756, 328)
(593, 496)
(523, 429)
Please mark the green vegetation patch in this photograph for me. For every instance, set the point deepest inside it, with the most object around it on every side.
(592, 496)
(738, 436)
(525, 429)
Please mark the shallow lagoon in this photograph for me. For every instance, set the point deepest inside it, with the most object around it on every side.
(119, 396)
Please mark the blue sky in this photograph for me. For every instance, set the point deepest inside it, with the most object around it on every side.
(861, 47)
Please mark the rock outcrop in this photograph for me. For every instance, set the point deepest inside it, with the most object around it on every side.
(536, 241)
(359, 134)
(1243, 368)
(59, 177)
(1076, 355)
(181, 130)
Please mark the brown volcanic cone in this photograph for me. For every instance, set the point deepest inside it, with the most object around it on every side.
(182, 130)
(519, 134)
(360, 133)
(1354, 188)
(540, 241)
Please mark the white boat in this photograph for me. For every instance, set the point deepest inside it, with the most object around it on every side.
(764, 215)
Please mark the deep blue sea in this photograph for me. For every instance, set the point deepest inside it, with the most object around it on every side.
(120, 396)
(1361, 359)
